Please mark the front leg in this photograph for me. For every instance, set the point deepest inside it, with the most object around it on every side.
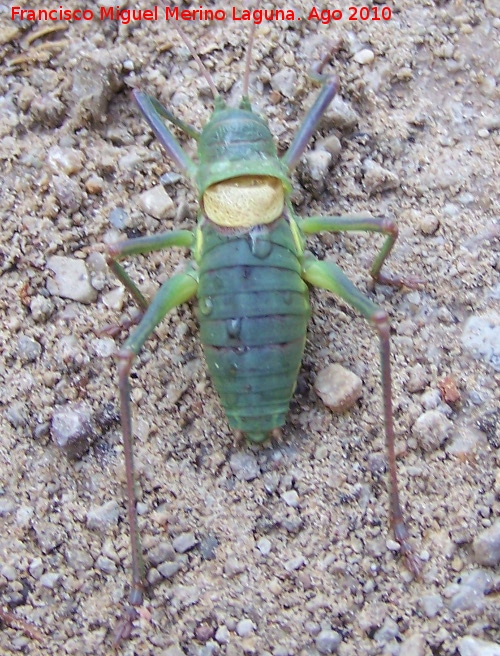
(140, 246)
(143, 246)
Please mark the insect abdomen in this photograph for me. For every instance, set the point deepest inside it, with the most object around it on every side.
(253, 312)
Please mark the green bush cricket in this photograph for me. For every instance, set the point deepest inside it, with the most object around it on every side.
(250, 273)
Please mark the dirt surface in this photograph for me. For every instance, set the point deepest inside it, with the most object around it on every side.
(299, 559)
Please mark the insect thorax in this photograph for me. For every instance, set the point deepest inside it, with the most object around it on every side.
(237, 143)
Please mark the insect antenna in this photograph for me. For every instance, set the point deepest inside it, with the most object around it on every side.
(248, 60)
(197, 59)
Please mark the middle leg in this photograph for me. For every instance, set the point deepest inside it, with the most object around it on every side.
(314, 224)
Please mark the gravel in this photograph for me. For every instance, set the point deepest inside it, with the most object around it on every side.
(486, 546)
(71, 279)
(432, 429)
(157, 203)
(338, 388)
(481, 336)
(471, 646)
(328, 641)
(101, 518)
(244, 466)
(72, 429)
(184, 542)
(413, 138)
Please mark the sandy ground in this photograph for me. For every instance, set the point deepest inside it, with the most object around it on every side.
(300, 558)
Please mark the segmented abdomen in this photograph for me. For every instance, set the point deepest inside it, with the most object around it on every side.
(253, 312)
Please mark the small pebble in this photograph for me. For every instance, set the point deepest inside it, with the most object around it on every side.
(377, 463)
(481, 336)
(338, 388)
(94, 185)
(184, 542)
(465, 441)
(364, 56)
(340, 114)
(291, 498)
(162, 552)
(41, 308)
(245, 628)
(431, 429)
(486, 546)
(431, 604)
(17, 414)
(404, 73)
(285, 81)
(222, 635)
(294, 563)
(157, 203)
(377, 179)
(387, 632)
(449, 390)
(28, 349)
(8, 572)
(418, 380)
(493, 6)
(233, 566)
(95, 79)
(104, 347)
(332, 145)
(392, 545)
(68, 192)
(244, 466)
(36, 568)
(50, 580)
(79, 560)
(271, 481)
(6, 506)
(24, 515)
(264, 546)
(49, 536)
(429, 224)
(413, 646)
(291, 523)
(469, 593)
(72, 429)
(208, 547)
(279, 651)
(169, 569)
(466, 198)
(118, 217)
(65, 160)
(490, 122)
(131, 160)
(470, 646)
(100, 518)
(105, 564)
(318, 162)
(170, 178)
(96, 263)
(174, 650)
(328, 641)
(71, 279)
(204, 632)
